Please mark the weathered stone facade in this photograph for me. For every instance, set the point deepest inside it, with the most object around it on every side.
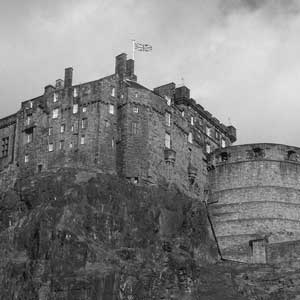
(254, 201)
(115, 125)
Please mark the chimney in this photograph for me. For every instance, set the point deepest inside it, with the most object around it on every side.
(68, 77)
(48, 89)
(121, 65)
(182, 93)
(59, 84)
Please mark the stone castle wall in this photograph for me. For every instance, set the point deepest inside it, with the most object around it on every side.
(254, 195)
(115, 125)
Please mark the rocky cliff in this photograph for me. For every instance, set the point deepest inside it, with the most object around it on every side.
(78, 235)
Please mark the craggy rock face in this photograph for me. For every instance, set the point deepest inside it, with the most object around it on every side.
(78, 235)
(88, 236)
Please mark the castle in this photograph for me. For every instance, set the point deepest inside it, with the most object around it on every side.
(115, 125)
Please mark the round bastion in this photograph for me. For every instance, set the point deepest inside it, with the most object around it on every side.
(254, 199)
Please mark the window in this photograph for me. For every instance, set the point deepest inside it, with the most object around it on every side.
(134, 128)
(168, 119)
(71, 145)
(135, 109)
(50, 147)
(190, 138)
(26, 158)
(111, 109)
(106, 123)
(75, 92)
(84, 109)
(84, 123)
(61, 145)
(50, 131)
(113, 92)
(192, 120)
(72, 128)
(30, 104)
(29, 136)
(75, 108)
(62, 128)
(82, 140)
(168, 100)
(168, 140)
(182, 113)
(28, 119)
(208, 148)
(223, 143)
(5, 143)
(55, 98)
(208, 130)
(113, 143)
(55, 113)
(217, 134)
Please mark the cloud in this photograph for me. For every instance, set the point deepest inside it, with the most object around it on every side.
(240, 58)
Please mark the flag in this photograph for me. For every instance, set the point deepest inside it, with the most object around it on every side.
(142, 47)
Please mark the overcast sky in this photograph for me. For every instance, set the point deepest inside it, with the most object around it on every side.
(240, 58)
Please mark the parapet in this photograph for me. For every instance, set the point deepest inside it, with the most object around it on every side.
(266, 151)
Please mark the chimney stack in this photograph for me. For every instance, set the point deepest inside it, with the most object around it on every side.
(68, 77)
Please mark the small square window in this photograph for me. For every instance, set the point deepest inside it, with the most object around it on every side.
(55, 113)
(84, 109)
(82, 140)
(75, 108)
(135, 109)
(111, 109)
(26, 158)
(50, 147)
(167, 140)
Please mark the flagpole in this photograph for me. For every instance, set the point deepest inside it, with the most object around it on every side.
(133, 48)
